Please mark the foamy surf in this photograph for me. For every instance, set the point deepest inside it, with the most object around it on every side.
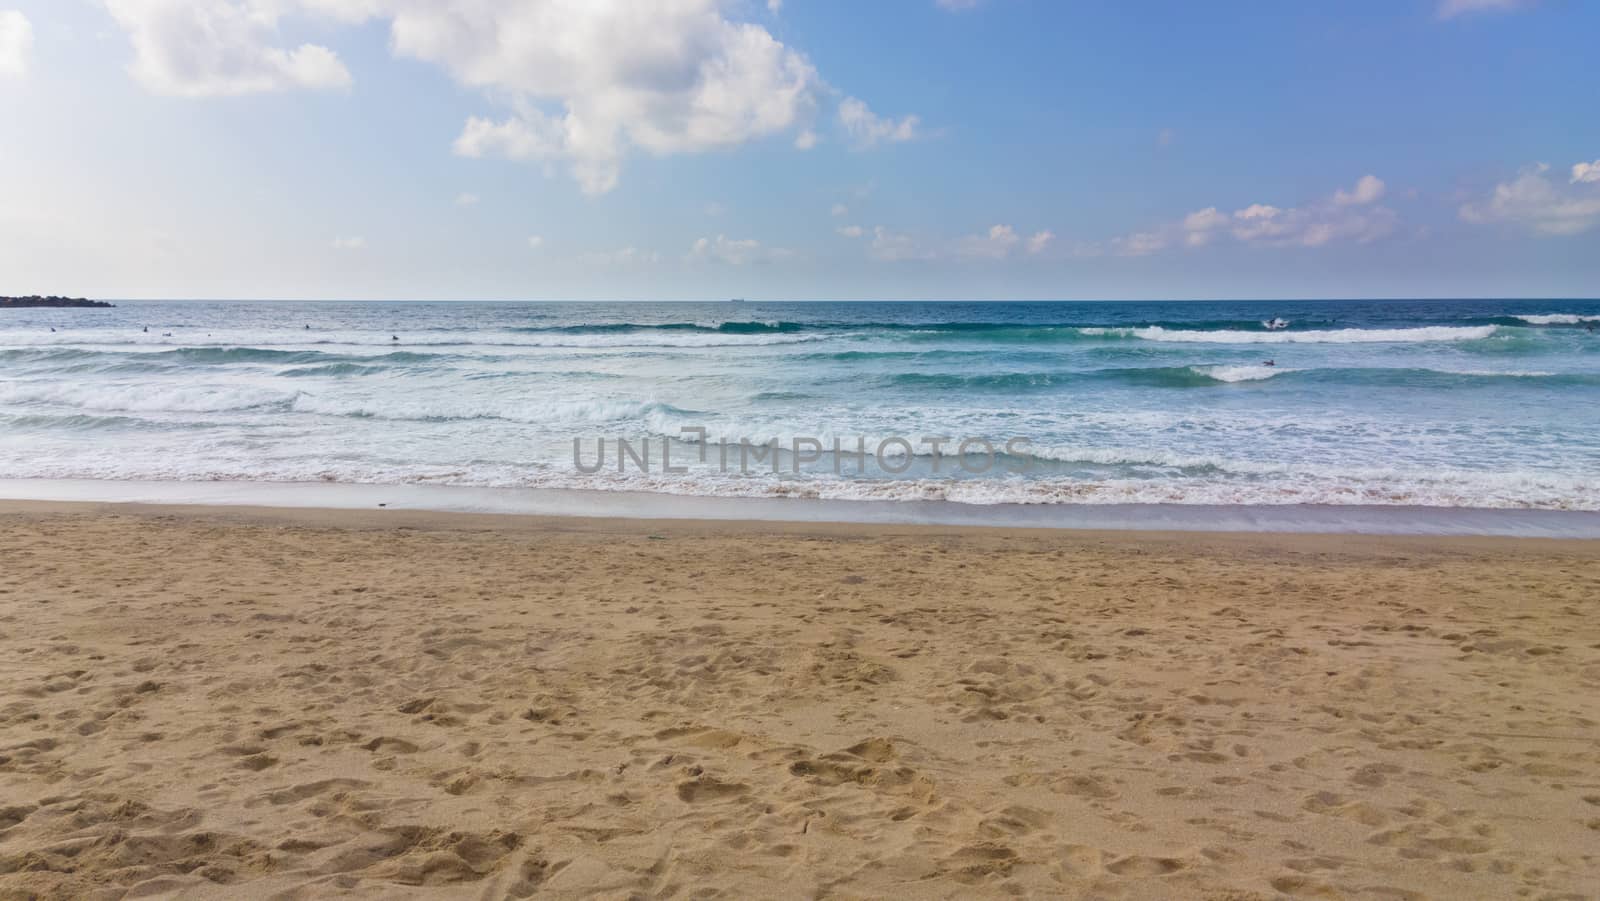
(1401, 404)
(1557, 319)
(1240, 373)
(1334, 336)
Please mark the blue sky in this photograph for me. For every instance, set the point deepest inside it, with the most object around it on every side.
(695, 149)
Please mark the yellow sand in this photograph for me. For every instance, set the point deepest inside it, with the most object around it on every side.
(239, 704)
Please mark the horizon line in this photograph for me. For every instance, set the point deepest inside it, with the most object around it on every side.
(1218, 299)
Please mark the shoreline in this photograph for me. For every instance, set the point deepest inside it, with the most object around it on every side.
(620, 505)
(445, 522)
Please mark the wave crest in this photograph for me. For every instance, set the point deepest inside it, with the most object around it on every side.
(1557, 319)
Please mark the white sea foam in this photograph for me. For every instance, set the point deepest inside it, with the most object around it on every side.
(145, 398)
(1498, 490)
(100, 339)
(512, 409)
(1240, 373)
(1498, 373)
(1330, 336)
(1557, 319)
(1248, 373)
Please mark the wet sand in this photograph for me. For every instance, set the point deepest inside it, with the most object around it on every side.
(235, 703)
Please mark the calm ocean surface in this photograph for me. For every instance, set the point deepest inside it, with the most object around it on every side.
(1433, 403)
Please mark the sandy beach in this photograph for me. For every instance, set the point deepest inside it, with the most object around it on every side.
(254, 703)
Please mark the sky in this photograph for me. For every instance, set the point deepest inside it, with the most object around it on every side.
(799, 149)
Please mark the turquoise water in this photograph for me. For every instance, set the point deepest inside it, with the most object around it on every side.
(1434, 403)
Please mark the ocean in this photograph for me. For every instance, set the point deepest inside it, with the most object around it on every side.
(1436, 403)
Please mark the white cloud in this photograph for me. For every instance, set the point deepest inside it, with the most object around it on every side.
(774, 6)
(996, 244)
(208, 48)
(1585, 172)
(735, 252)
(840, 209)
(535, 136)
(581, 83)
(664, 78)
(1262, 222)
(1369, 188)
(535, 241)
(1201, 225)
(956, 5)
(351, 243)
(1138, 244)
(1533, 201)
(867, 129)
(1449, 9)
(465, 199)
(16, 43)
(1313, 225)
(1345, 216)
(889, 247)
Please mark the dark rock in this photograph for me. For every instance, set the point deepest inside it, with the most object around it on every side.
(37, 301)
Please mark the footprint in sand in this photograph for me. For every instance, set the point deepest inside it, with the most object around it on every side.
(709, 789)
(980, 861)
(1140, 865)
(391, 745)
(257, 762)
(11, 816)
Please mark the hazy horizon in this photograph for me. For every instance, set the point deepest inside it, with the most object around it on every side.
(852, 300)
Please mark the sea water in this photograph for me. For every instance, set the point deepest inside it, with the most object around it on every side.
(1460, 404)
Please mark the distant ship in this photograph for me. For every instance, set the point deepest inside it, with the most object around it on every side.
(736, 300)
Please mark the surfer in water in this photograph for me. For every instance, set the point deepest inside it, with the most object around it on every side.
(1269, 362)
